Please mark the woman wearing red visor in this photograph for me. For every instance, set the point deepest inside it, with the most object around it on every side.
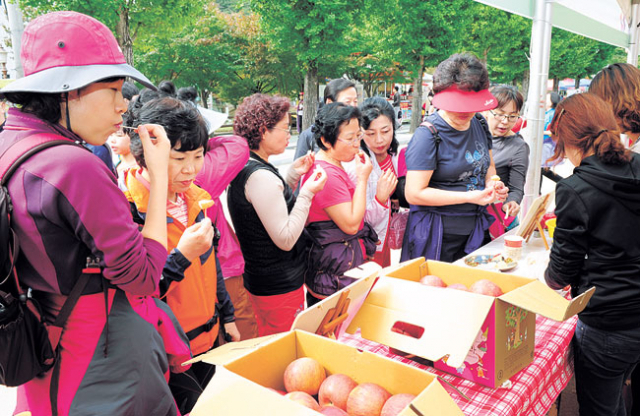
(450, 166)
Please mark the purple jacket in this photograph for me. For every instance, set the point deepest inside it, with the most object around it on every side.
(332, 252)
(67, 206)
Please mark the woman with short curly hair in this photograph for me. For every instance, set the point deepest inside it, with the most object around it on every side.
(267, 217)
(619, 85)
(450, 166)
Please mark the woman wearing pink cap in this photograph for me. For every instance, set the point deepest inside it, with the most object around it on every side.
(74, 225)
(450, 166)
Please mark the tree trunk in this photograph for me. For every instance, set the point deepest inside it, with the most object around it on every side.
(310, 96)
(416, 102)
(123, 35)
(204, 97)
(577, 83)
(525, 84)
(556, 84)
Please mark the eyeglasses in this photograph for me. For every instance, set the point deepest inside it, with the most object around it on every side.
(280, 128)
(501, 117)
(354, 141)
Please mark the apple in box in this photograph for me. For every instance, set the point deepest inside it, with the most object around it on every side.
(304, 399)
(396, 404)
(367, 400)
(333, 411)
(458, 286)
(304, 374)
(431, 280)
(335, 390)
(486, 287)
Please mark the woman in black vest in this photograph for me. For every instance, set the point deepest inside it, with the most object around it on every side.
(266, 215)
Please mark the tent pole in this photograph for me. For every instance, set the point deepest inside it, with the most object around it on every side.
(632, 55)
(536, 99)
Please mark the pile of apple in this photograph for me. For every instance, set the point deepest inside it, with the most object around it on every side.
(338, 394)
(482, 286)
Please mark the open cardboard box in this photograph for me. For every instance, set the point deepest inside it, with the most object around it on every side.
(481, 338)
(246, 368)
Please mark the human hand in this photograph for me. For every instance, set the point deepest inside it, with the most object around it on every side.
(501, 191)
(196, 239)
(156, 146)
(511, 209)
(316, 181)
(232, 331)
(302, 164)
(386, 185)
(484, 197)
(363, 166)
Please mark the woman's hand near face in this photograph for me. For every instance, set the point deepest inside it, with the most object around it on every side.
(156, 150)
(363, 166)
(302, 164)
(386, 185)
(316, 181)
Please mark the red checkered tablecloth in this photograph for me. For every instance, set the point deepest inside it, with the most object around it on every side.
(533, 390)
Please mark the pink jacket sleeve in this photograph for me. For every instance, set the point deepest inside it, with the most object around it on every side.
(225, 158)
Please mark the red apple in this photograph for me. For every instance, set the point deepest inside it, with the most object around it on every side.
(367, 400)
(304, 399)
(333, 411)
(486, 287)
(335, 390)
(396, 404)
(304, 374)
(458, 286)
(431, 280)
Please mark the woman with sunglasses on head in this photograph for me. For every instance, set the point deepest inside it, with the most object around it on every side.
(510, 155)
(380, 144)
(74, 224)
(450, 166)
(340, 239)
(267, 216)
(595, 244)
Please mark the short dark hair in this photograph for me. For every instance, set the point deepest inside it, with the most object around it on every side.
(129, 90)
(396, 88)
(371, 109)
(257, 114)
(188, 94)
(506, 93)
(329, 120)
(182, 122)
(335, 87)
(555, 99)
(167, 89)
(464, 70)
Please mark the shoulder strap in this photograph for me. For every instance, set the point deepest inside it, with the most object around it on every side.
(434, 132)
(485, 126)
(23, 149)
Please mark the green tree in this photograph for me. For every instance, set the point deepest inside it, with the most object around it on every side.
(423, 36)
(314, 31)
(514, 316)
(127, 18)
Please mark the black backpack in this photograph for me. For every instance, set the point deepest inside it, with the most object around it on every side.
(27, 344)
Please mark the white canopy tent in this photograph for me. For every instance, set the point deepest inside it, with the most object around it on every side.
(610, 21)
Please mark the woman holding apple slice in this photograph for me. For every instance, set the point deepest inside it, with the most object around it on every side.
(267, 216)
(336, 224)
(450, 164)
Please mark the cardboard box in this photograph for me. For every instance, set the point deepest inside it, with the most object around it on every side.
(481, 338)
(245, 369)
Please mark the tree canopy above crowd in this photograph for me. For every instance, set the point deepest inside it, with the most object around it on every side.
(232, 48)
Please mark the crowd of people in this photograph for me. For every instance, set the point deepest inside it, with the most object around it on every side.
(176, 279)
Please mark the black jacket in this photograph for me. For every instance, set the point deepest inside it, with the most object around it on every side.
(597, 241)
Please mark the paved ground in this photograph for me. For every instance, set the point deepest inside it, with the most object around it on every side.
(568, 405)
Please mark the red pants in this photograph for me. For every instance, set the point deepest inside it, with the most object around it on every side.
(276, 313)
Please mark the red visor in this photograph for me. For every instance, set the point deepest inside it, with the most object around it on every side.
(458, 101)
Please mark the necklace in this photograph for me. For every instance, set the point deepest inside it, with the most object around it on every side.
(327, 158)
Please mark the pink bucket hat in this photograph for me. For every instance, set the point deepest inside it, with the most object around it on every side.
(458, 101)
(65, 51)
